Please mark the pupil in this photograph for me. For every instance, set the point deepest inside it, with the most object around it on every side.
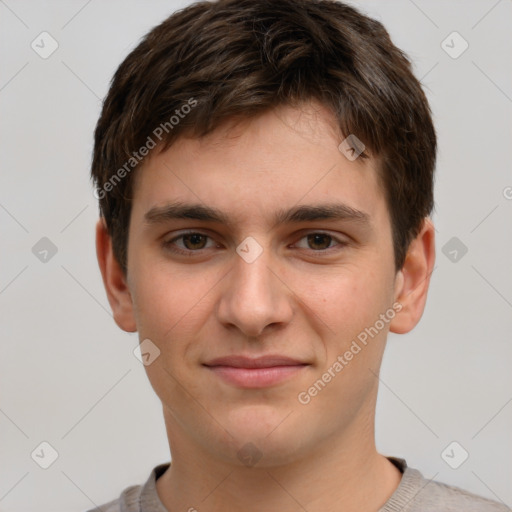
(315, 238)
(195, 240)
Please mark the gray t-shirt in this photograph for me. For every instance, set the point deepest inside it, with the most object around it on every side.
(414, 494)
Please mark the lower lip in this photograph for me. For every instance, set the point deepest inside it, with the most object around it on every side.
(256, 377)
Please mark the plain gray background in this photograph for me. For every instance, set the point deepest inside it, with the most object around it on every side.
(68, 375)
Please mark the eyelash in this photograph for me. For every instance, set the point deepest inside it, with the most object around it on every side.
(169, 244)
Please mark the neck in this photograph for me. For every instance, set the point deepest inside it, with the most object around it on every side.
(342, 474)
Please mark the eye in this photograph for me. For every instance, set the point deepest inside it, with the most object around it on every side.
(192, 242)
(320, 242)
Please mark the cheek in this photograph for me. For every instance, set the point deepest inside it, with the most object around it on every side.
(345, 299)
(172, 307)
(164, 295)
(345, 377)
(170, 311)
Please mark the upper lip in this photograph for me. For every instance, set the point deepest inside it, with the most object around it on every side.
(254, 362)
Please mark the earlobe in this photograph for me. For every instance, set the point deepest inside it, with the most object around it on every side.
(412, 281)
(114, 280)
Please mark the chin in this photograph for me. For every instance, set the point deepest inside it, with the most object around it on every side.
(269, 434)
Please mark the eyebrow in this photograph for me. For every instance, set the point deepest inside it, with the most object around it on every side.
(297, 214)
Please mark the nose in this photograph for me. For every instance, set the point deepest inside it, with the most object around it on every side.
(255, 296)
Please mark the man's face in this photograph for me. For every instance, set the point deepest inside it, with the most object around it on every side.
(301, 288)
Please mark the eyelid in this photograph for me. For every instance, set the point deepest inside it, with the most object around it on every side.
(180, 234)
(340, 242)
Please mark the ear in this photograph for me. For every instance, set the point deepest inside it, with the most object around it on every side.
(114, 280)
(412, 281)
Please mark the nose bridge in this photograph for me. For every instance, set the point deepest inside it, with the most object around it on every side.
(253, 297)
(252, 279)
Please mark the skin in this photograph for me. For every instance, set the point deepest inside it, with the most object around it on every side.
(300, 298)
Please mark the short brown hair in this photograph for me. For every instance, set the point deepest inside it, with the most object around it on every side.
(240, 58)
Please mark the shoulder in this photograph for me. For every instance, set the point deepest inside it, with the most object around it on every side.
(127, 502)
(137, 497)
(439, 496)
(415, 493)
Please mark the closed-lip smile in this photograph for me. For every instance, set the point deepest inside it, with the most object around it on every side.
(255, 372)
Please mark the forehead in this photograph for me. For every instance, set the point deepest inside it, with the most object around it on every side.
(260, 167)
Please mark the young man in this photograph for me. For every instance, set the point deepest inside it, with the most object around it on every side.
(265, 176)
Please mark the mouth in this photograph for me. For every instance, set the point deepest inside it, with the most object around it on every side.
(261, 372)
